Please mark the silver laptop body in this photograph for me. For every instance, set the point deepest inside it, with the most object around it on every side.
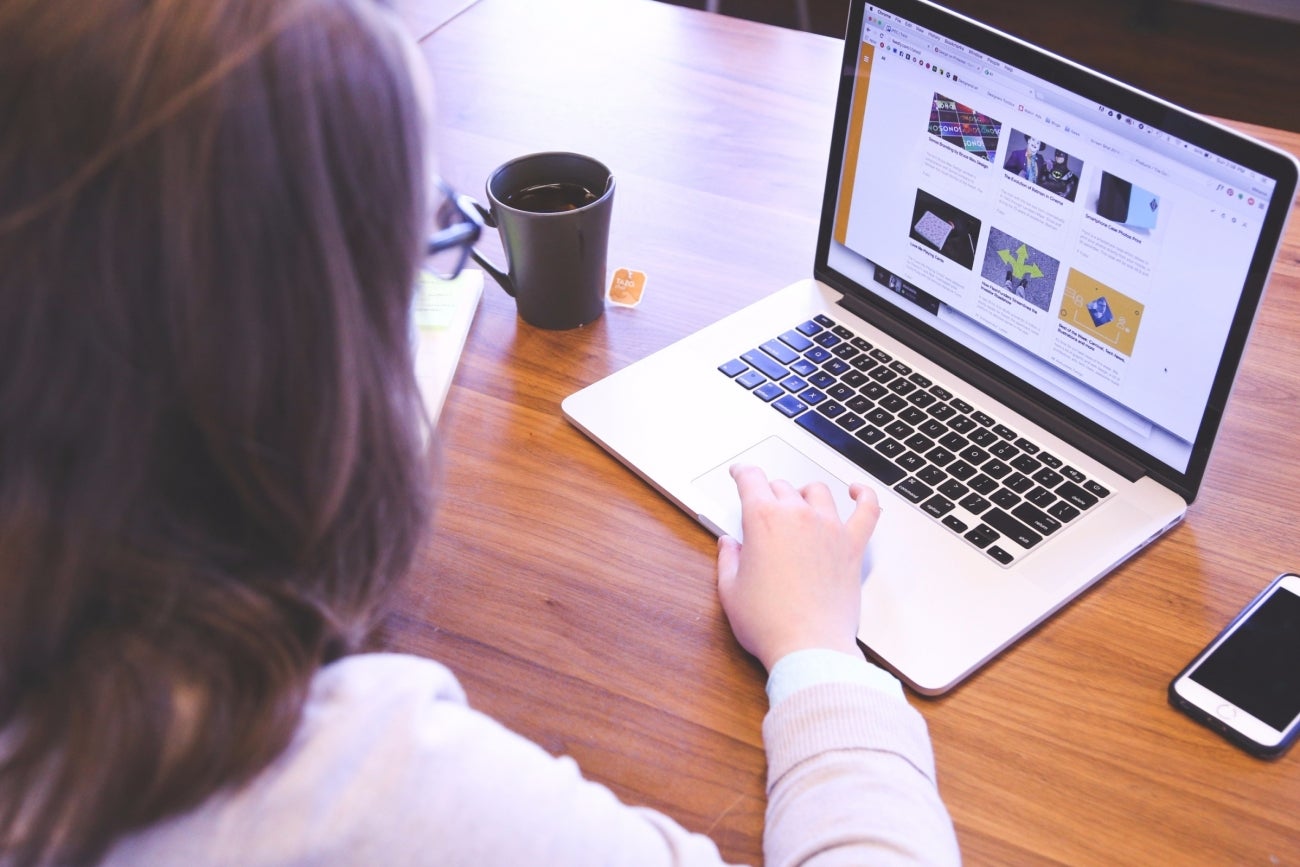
(1089, 309)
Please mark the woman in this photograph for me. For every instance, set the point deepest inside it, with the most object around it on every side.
(212, 474)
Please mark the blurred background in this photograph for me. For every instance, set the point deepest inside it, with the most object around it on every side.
(1228, 58)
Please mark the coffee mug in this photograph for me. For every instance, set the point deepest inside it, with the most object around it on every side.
(552, 210)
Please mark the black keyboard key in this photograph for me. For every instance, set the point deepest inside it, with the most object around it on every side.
(890, 448)
(1041, 497)
(921, 380)
(1048, 478)
(893, 402)
(910, 461)
(875, 390)
(795, 340)
(1098, 491)
(1004, 498)
(1018, 483)
(961, 423)
(1076, 496)
(982, 536)
(843, 332)
(882, 374)
(932, 429)
(995, 468)
(961, 405)
(953, 442)
(953, 489)
(790, 405)
(1037, 519)
(870, 434)
(1005, 450)
(922, 398)
(982, 418)
(974, 503)
(1005, 432)
(863, 363)
(882, 356)
(770, 367)
(854, 378)
(878, 416)
(841, 392)
(942, 411)
(860, 404)
(811, 395)
(1051, 460)
(911, 415)
(809, 328)
(826, 340)
(933, 476)
(952, 522)
(936, 506)
(734, 367)
(983, 436)
(779, 351)
(913, 489)
(793, 384)
(861, 343)
(1073, 475)
(940, 456)
(902, 386)
(846, 444)
(1000, 554)
(803, 367)
(900, 368)
(821, 379)
(1027, 446)
(1063, 512)
(1011, 528)
(974, 455)
(1026, 464)
(835, 366)
(845, 351)
(961, 470)
(850, 421)
(830, 408)
(919, 443)
(898, 430)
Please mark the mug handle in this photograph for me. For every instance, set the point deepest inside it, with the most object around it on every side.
(497, 274)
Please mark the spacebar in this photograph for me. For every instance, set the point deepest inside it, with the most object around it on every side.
(851, 447)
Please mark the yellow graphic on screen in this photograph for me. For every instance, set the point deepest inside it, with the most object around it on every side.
(1101, 311)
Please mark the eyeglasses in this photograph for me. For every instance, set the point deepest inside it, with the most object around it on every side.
(459, 226)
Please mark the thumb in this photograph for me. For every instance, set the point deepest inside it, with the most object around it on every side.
(728, 559)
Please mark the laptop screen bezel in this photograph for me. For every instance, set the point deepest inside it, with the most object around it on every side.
(1094, 86)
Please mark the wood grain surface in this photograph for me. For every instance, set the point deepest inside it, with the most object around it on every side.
(578, 607)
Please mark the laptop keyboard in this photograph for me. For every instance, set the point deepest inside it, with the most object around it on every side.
(979, 478)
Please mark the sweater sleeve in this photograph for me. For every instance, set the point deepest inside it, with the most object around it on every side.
(851, 780)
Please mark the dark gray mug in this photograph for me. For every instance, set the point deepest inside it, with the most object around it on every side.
(552, 210)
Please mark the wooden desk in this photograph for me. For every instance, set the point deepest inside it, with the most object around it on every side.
(578, 607)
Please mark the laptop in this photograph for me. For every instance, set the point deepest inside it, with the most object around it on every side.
(1032, 289)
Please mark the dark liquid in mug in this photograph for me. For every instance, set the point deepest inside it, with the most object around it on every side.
(550, 198)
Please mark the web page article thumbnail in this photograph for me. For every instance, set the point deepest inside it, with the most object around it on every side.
(1044, 165)
(938, 225)
(964, 127)
(1101, 312)
(1127, 204)
(1019, 269)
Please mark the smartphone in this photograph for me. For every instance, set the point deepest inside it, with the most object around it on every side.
(1246, 684)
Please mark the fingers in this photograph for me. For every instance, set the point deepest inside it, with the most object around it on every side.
(753, 485)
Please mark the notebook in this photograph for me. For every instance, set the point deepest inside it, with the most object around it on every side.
(1031, 292)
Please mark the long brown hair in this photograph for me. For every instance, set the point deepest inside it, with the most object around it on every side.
(210, 434)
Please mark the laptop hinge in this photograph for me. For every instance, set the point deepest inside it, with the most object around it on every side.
(1007, 393)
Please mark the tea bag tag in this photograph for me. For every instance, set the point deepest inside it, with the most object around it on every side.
(626, 288)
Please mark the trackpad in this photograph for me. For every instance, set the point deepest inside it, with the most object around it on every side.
(779, 460)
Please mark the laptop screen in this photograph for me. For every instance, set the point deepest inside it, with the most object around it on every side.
(1099, 250)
